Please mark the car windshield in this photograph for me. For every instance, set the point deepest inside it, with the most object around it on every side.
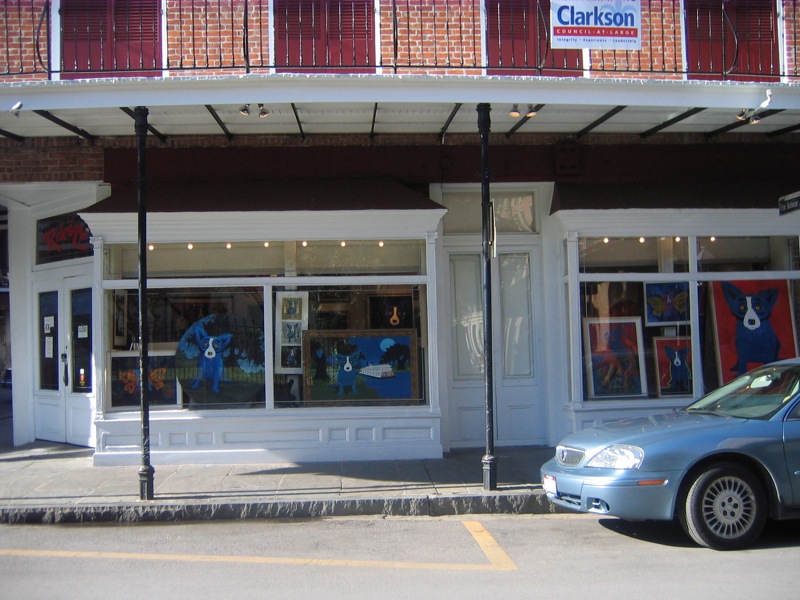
(758, 394)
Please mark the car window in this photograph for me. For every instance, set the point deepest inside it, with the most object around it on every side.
(758, 394)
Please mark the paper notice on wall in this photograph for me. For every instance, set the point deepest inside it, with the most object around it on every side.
(49, 323)
(83, 331)
(48, 346)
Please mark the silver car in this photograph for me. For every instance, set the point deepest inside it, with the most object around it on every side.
(722, 466)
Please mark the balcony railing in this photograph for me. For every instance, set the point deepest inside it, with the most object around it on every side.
(750, 40)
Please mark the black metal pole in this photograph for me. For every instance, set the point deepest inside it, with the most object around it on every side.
(489, 460)
(146, 471)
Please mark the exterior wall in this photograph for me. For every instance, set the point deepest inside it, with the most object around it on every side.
(443, 38)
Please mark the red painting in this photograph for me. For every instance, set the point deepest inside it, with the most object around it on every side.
(754, 325)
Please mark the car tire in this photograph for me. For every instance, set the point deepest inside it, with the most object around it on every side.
(725, 508)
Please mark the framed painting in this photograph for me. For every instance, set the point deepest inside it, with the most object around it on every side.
(614, 357)
(673, 360)
(666, 303)
(356, 366)
(125, 379)
(391, 312)
(753, 325)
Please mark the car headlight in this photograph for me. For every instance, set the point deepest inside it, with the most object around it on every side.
(618, 456)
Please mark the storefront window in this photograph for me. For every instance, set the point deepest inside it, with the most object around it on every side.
(349, 346)
(639, 334)
(637, 339)
(747, 253)
(666, 254)
(513, 212)
(206, 348)
(263, 259)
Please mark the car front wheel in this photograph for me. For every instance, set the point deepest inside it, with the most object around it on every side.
(725, 508)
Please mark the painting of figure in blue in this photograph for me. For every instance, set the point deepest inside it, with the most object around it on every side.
(361, 366)
(754, 324)
(220, 363)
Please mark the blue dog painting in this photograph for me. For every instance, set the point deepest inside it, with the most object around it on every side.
(755, 338)
(679, 372)
(220, 361)
(210, 364)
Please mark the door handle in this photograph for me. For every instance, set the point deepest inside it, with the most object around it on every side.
(66, 369)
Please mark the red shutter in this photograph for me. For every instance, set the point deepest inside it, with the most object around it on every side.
(84, 31)
(102, 38)
(324, 35)
(136, 39)
(518, 40)
(739, 43)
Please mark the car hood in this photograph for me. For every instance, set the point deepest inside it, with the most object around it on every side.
(651, 430)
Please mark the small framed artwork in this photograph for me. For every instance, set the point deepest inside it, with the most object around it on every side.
(391, 312)
(121, 319)
(673, 360)
(666, 303)
(753, 324)
(291, 320)
(614, 357)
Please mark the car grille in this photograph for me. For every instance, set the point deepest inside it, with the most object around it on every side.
(569, 457)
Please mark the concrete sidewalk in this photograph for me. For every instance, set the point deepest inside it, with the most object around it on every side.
(55, 483)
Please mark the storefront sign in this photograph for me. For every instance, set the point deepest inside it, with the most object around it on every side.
(790, 203)
(603, 24)
(62, 238)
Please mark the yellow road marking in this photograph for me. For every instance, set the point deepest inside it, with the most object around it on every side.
(498, 559)
(496, 555)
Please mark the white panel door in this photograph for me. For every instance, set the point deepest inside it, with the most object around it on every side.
(64, 385)
(519, 408)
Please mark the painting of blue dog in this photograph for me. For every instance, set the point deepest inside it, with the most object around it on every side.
(754, 325)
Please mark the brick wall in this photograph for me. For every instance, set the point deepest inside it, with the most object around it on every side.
(660, 56)
(21, 27)
(441, 37)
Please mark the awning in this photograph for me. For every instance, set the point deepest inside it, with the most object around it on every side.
(287, 209)
(734, 194)
(268, 195)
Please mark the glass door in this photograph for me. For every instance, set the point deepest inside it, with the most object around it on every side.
(64, 395)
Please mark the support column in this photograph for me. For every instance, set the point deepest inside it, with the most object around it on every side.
(146, 471)
(489, 460)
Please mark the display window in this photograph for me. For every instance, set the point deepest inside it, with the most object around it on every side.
(206, 348)
(656, 323)
(349, 346)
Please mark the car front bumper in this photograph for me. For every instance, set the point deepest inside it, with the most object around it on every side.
(629, 494)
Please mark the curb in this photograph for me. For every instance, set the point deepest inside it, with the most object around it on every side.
(154, 511)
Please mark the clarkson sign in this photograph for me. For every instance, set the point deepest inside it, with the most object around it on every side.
(611, 24)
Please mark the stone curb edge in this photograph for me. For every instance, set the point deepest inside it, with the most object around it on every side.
(156, 511)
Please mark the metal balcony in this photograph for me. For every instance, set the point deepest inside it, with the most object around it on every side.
(745, 40)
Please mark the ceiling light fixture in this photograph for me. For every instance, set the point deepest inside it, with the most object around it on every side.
(14, 110)
(263, 112)
(514, 112)
(245, 110)
(531, 111)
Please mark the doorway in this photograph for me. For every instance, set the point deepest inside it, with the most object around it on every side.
(64, 366)
(519, 405)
